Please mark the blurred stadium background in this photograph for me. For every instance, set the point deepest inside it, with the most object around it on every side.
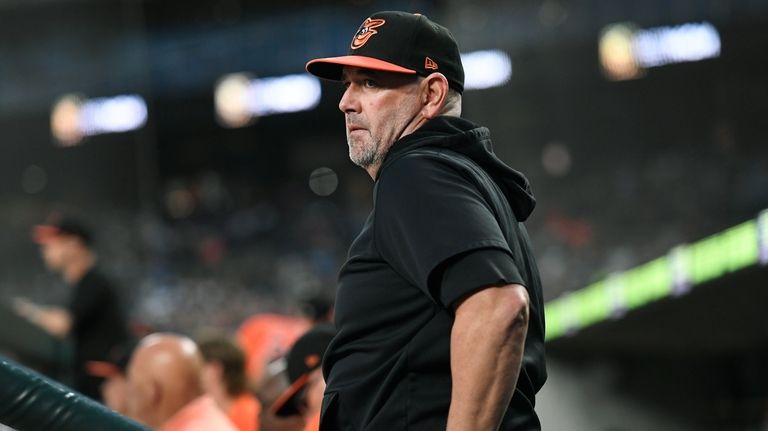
(217, 192)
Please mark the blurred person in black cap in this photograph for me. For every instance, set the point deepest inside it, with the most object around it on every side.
(272, 385)
(304, 396)
(94, 317)
(439, 306)
(225, 381)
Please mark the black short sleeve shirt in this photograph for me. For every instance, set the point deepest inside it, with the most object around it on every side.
(431, 239)
(428, 213)
(98, 325)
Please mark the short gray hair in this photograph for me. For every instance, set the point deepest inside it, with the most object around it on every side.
(452, 103)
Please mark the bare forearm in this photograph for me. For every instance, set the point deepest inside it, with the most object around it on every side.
(57, 321)
(486, 354)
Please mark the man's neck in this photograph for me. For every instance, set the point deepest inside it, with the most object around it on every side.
(170, 410)
(415, 123)
(76, 270)
(373, 170)
(222, 398)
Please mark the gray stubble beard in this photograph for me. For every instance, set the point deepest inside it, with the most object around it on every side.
(367, 157)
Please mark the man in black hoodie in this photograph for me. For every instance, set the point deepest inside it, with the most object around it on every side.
(439, 307)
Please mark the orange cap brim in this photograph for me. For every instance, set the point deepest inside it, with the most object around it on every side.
(44, 233)
(331, 67)
(102, 369)
(289, 393)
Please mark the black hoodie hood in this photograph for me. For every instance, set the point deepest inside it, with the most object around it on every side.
(473, 141)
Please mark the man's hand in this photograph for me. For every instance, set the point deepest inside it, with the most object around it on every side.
(56, 321)
(487, 343)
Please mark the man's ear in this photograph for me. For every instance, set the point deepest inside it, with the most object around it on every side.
(434, 95)
(154, 392)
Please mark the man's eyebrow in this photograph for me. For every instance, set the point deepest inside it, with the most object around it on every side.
(370, 73)
(365, 73)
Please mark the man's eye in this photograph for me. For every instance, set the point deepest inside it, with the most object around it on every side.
(369, 83)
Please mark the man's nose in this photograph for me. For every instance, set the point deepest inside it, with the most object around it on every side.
(348, 101)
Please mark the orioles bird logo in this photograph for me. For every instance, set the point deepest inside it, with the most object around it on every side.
(367, 29)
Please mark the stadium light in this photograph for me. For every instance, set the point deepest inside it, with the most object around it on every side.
(667, 45)
(626, 51)
(230, 100)
(486, 69)
(239, 99)
(73, 117)
(283, 94)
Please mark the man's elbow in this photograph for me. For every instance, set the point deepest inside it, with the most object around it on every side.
(511, 308)
(502, 307)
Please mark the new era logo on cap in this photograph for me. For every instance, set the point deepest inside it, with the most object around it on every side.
(398, 42)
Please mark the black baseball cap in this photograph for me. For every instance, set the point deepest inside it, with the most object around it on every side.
(399, 42)
(61, 226)
(305, 356)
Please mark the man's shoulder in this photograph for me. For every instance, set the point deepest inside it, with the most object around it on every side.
(421, 165)
(424, 154)
(95, 278)
(95, 285)
(93, 275)
(201, 414)
(425, 171)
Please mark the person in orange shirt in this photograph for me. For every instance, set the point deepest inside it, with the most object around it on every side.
(305, 395)
(224, 380)
(165, 389)
(266, 337)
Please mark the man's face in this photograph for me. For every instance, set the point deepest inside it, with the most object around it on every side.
(378, 107)
(139, 391)
(57, 251)
(315, 389)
